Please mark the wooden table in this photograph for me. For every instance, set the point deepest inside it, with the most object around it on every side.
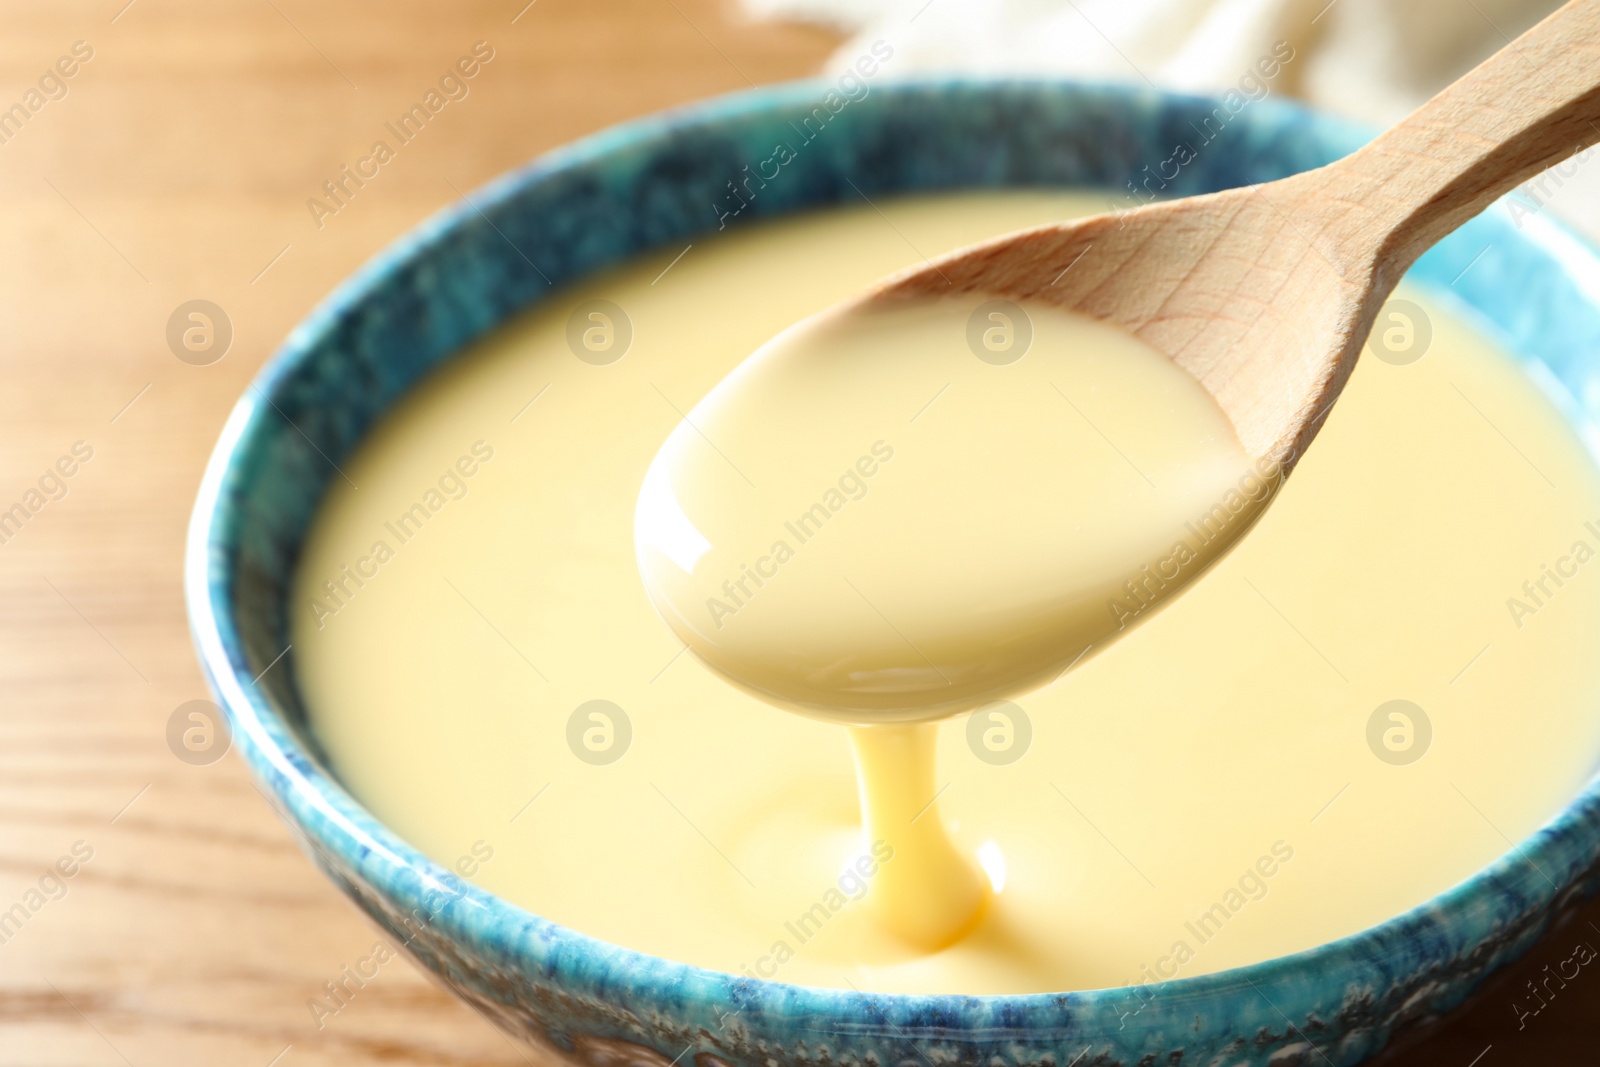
(177, 166)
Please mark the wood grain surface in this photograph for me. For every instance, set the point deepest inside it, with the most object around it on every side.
(177, 166)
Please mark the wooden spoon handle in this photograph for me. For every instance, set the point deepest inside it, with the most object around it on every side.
(1532, 104)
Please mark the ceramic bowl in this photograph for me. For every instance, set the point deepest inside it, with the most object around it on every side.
(659, 181)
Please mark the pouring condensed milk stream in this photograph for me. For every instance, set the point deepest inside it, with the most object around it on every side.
(821, 552)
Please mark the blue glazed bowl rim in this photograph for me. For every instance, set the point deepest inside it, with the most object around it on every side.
(340, 832)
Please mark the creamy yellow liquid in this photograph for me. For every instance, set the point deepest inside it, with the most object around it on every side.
(868, 522)
(1200, 794)
(931, 895)
(997, 543)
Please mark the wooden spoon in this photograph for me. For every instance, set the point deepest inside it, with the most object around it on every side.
(1266, 294)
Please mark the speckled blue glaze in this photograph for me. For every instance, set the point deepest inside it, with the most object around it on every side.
(652, 182)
